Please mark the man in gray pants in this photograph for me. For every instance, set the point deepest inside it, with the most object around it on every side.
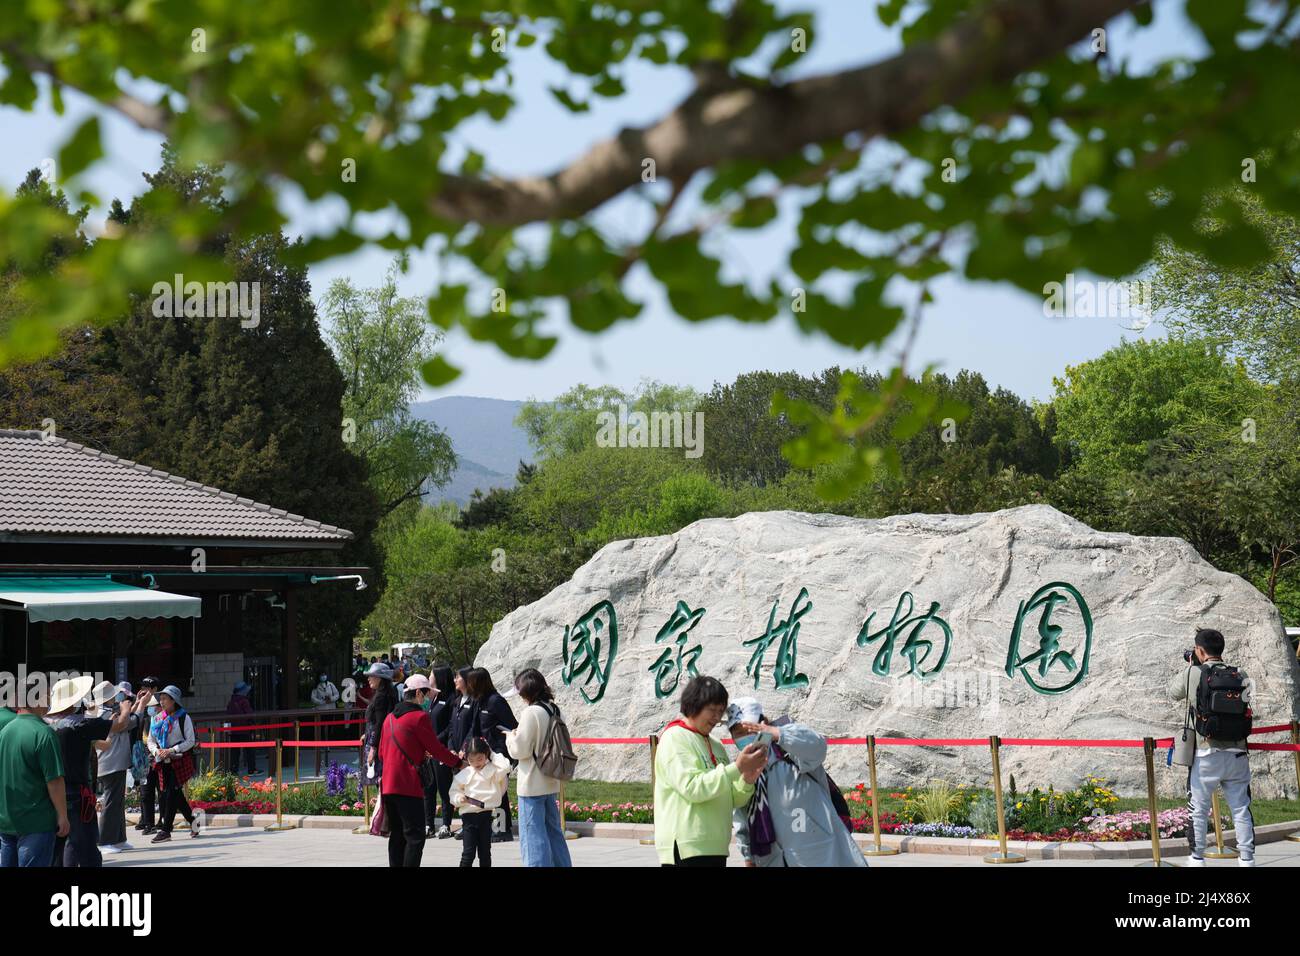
(1218, 763)
(114, 759)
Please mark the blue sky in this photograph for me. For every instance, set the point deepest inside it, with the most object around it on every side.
(993, 329)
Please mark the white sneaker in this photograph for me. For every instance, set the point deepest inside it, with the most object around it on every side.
(109, 849)
(1241, 862)
(121, 847)
(1195, 861)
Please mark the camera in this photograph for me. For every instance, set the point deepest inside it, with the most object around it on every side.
(1189, 656)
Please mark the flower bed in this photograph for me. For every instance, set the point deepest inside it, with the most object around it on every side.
(609, 812)
(221, 792)
(1067, 816)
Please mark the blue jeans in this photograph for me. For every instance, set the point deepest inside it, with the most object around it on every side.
(541, 841)
(27, 849)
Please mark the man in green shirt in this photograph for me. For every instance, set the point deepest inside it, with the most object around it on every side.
(6, 715)
(33, 804)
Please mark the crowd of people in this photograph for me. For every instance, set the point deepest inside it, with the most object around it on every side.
(445, 743)
(66, 762)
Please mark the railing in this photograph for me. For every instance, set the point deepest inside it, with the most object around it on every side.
(217, 725)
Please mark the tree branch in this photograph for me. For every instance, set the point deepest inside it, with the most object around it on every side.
(717, 125)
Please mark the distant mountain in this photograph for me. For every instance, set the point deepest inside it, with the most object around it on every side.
(488, 445)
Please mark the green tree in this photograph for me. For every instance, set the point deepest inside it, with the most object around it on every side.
(1253, 312)
(573, 421)
(255, 411)
(77, 389)
(1110, 409)
(380, 340)
(367, 106)
(744, 438)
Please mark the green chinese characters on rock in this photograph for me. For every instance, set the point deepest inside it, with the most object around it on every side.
(1049, 597)
(676, 658)
(916, 648)
(583, 647)
(785, 673)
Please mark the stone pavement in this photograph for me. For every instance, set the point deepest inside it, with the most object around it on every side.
(252, 846)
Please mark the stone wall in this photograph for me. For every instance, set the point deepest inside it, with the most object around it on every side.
(215, 676)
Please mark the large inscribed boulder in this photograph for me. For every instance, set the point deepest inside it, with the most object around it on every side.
(1022, 623)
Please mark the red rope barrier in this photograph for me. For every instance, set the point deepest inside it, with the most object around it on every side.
(238, 744)
(1271, 730)
(336, 744)
(240, 728)
(1294, 748)
(612, 740)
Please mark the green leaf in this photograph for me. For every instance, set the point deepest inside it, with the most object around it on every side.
(567, 101)
(438, 371)
(81, 149)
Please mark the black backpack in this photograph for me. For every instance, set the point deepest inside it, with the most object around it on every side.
(838, 802)
(1221, 709)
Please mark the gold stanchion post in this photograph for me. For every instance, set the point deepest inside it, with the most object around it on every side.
(1220, 852)
(654, 747)
(564, 828)
(297, 751)
(212, 750)
(878, 850)
(1295, 739)
(1149, 751)
(1001, 856)
(279, 823)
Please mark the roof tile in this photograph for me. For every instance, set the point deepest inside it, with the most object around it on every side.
(53, 486)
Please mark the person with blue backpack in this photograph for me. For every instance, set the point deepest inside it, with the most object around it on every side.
(1216, 724)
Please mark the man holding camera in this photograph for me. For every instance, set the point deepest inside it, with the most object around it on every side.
(1218, 718)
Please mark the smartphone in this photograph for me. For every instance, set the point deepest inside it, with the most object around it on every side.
(763, 740)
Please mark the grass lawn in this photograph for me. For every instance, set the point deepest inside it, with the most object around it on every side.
(598, 791)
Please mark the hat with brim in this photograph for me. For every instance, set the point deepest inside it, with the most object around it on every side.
(380, 670)
(172, 691)
(744, 710)
(70, 692)
(418, 682)
(104, 692)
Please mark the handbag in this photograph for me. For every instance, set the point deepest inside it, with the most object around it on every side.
(379, 819)
(424, 768)
(1183, 750)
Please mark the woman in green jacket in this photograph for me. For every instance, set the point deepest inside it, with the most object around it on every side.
(696, 785)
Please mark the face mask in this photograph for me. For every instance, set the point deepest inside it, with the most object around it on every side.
(426, 703)
(743, 742)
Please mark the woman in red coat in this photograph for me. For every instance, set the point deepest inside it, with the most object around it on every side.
(404, 741)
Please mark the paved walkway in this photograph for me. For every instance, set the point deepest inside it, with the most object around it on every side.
(251, 846)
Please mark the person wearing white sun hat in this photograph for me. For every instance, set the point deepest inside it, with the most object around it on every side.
(77, 733)
(171, 742)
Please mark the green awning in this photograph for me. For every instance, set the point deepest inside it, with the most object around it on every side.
(92, 599)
